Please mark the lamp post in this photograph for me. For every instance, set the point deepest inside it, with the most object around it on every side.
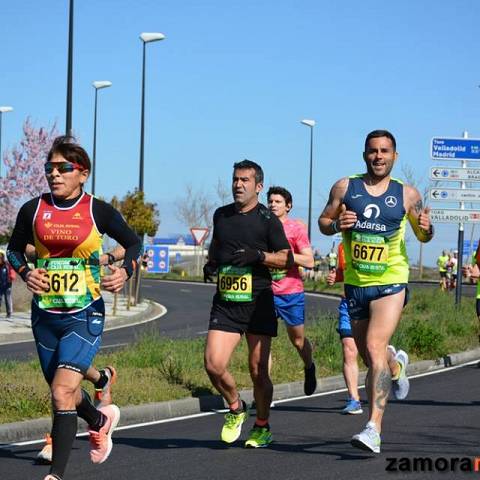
(3, 110)
(68, 121)
(145, 38)
(97, 86)
(310, 124)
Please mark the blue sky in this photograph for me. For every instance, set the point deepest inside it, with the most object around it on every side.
(233, 79)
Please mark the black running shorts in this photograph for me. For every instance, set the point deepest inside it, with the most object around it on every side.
(257, 317)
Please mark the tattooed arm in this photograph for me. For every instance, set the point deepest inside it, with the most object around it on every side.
(418, 215)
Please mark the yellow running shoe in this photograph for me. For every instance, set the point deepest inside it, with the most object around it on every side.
(232, 428)
(259, 437)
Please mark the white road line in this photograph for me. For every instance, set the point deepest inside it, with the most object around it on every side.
(202, 332)
(206, 414)
(114, 345)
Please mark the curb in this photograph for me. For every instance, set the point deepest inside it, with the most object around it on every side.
(153, 311)
(31, 429)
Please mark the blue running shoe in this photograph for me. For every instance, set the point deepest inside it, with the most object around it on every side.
(353, 407)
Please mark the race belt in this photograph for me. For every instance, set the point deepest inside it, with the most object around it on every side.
(235, 283)
(369, 253)
(67, 283)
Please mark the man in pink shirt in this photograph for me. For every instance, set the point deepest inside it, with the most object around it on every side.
(287, 285)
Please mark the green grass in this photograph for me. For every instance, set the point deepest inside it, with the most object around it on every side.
(155, 369)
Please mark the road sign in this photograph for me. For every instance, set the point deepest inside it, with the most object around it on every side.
(158, 259)
(447, 174)
(199, 234)
(447, 215)
(468, 247)
(454, 195)
(455, 149)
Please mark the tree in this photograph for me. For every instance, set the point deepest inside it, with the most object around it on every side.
(25, 177)
(224, 193)
(142, 216)
(195, 208)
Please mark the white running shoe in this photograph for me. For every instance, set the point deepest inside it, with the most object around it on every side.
(368, 439)
(401, 385)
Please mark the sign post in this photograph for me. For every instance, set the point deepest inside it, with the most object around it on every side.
(199, 234)
(462, 149)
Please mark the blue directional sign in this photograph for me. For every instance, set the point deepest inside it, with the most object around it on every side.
(455, 149)
(158, 261)
(468, 247)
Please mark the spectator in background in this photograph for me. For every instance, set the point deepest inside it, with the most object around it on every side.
(7, 276)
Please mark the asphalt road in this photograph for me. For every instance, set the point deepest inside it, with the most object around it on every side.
(439, 419)
(188, 306)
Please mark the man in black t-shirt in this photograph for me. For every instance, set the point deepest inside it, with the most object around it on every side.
(247, 240)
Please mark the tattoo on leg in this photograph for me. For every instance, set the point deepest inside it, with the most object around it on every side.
(419, 206)
(382, 389)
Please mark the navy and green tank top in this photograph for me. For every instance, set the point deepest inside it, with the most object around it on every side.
(375, 250)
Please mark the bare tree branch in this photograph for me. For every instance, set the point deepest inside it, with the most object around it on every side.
(194, 208)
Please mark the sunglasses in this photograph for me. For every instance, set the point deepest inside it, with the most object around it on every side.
(62, 167)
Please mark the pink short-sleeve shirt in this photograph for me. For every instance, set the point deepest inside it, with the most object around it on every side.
(286, 282)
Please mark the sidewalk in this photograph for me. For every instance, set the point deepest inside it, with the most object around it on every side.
(17, 327)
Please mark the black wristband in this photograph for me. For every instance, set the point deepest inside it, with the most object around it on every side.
(261, 256)
(128, 269)
(111, 258)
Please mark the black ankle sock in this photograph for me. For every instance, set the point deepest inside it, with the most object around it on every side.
(103, 380)
(86, 411)
(63, 434)
(240, 409)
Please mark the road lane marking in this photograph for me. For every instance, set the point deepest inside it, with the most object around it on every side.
(205, 414)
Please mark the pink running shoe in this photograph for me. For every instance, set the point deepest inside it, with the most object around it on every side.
(101, 441)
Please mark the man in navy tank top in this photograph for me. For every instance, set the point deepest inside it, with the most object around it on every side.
(371, 211)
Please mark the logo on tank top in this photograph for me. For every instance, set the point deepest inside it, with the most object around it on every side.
(77, 216)
(371, 213)
(369, 209)
(391, 201)
(47, 215)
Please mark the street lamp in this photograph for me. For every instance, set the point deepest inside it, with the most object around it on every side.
(3, 110)
(145, 38)
(310, 124)
(68, 121)
(97, 86)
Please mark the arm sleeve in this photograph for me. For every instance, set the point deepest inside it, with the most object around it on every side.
(111, 222)
(276, 235)
(22, 235)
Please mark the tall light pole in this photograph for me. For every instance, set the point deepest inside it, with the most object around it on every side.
(68, 121)
(3, 110)
(97, 86)
(145, 38)
(310, 124)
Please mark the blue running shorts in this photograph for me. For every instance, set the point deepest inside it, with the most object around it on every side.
(291, 308)
(344, 327)
(67, 340)
(359, 298)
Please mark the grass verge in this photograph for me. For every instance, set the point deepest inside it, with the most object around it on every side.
(155, 369)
